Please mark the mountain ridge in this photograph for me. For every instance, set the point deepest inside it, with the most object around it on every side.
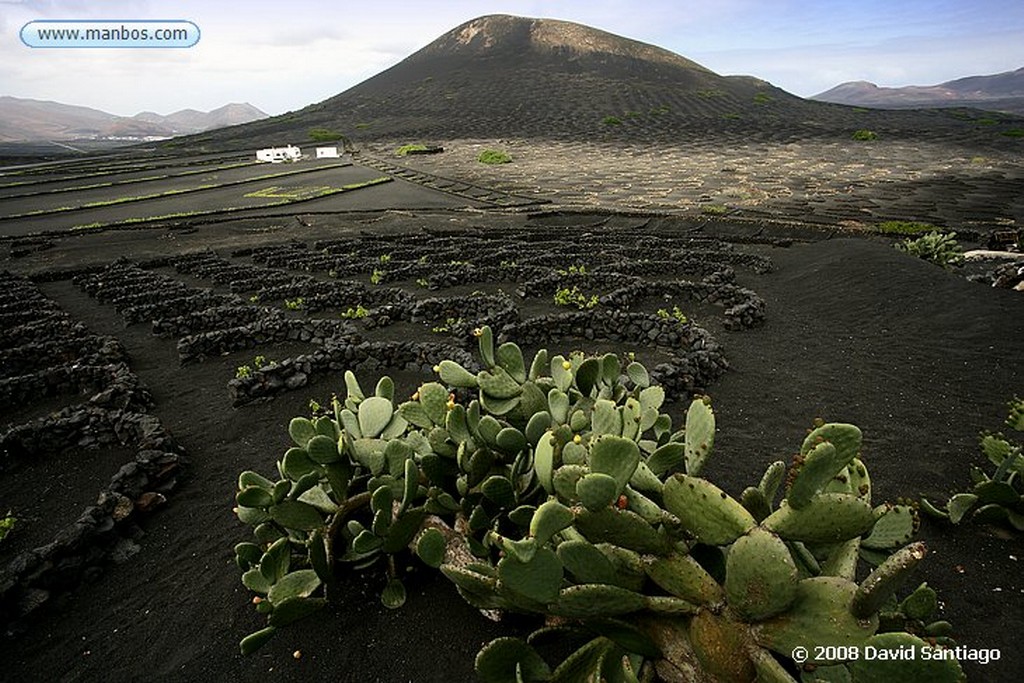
(25, 119)
(1000, 91)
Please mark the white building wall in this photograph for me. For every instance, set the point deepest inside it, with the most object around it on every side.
(277, 155)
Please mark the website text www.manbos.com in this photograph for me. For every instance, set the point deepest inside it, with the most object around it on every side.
(47, 33)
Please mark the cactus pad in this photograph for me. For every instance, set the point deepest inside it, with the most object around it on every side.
(538, 580)
(760, 575)
(705, 510)
(827, 518)
(819, 616)
(615, 456)
(588, 600)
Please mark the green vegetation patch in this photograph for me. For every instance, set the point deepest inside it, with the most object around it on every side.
(7, 523)
(939, 248)
(763, 98)
(1014, 133)
(407, 149)
(905, 228)
(493, 156)
(611, 121)
(863, 135)
(324, 135)
(292, 193)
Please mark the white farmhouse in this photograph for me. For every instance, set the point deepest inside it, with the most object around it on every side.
(326, 152)
(277, 155)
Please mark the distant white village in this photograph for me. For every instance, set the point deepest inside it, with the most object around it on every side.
(291, 154)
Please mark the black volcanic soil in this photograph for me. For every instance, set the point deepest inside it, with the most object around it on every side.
(919, 358)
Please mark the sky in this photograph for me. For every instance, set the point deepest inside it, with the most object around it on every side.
(281, 55)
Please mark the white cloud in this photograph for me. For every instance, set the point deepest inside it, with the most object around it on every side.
(282, 56)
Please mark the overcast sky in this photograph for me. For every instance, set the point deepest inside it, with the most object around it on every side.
(281, 55)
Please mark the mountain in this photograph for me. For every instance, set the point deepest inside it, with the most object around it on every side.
(30, 120)
(999, 92)
(503, 75)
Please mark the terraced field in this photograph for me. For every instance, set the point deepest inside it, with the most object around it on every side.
(167, 371)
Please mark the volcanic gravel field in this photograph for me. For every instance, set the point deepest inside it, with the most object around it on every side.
(134, 286)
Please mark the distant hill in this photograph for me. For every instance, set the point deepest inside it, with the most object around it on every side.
(503, 75)
(31, 120)
(997, 92)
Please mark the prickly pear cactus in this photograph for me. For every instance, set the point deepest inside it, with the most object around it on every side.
(998, 498)
(561, 489)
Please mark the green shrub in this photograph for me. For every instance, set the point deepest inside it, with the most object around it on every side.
(406, 149)
(676, 314)
(574, 297)
(560, 489)
(572, 270)
(611, 121)
(324, 135)
(1014, 133)
(939, 248)
(493, 156)
(7, 523)
(864, 135)
(448, 326)
(355, 313)
(715, 209)
(294, 304)
(762, 98)
(243, 372)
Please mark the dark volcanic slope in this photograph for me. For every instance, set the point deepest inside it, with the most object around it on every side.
(503, 76)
